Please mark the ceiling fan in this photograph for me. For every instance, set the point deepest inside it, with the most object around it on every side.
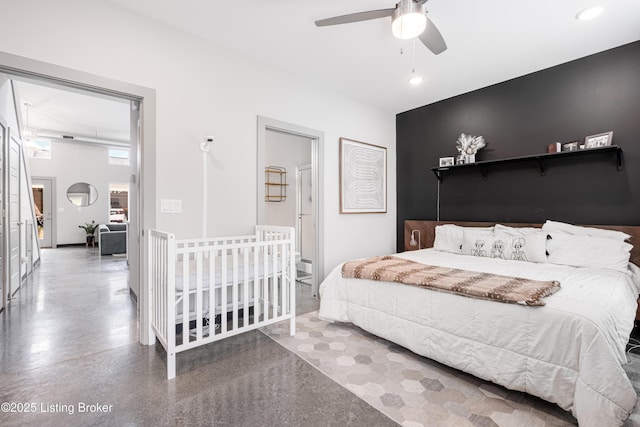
(409, 20)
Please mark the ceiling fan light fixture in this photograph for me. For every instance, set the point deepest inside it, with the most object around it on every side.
(589, 13)
(409, 20)
(415, 80)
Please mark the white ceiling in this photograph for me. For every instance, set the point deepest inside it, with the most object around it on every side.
(489, 41)
(61, 111)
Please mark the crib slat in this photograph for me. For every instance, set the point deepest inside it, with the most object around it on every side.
(185, 298)
(283, 281)
(223, 291)
(256, 284)
(265, 283)
(245, 290)
(274, 280)
(199, 296)
(234, 288)
(212, 293)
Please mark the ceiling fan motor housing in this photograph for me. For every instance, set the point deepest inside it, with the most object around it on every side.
(409, 19)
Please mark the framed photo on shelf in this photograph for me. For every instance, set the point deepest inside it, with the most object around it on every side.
(598, 140)
(446, 161)
(570, 146)
(363, 177)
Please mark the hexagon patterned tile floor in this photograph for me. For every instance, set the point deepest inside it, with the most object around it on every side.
(412, 390)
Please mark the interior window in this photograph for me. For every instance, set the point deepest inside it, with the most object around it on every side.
(39, 148)
(118, 156)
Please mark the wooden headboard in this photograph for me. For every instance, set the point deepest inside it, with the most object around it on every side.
(428, 232)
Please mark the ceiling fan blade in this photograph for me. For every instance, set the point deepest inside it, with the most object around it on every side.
(355, 17)
(432, 38)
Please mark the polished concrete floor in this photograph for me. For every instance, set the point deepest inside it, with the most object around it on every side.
(70, 356)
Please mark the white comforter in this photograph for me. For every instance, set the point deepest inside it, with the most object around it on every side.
(569, 351)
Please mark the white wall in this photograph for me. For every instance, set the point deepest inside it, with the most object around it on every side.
(202, 90)
(70, 163)
(287, 151)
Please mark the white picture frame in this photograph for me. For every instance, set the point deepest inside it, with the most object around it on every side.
(363, 177)
(599, 140)
(445, 162)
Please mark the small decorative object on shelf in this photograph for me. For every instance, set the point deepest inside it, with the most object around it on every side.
(446, 161)
(571, 146)
(599, 140)
(468, 146)
(275, 183)
(554, 148)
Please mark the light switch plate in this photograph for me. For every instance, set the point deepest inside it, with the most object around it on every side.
(170, 206)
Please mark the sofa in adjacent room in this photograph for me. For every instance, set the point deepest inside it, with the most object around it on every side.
(112, 238)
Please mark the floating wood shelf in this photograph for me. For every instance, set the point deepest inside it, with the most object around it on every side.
(275, 184)
(539, 159)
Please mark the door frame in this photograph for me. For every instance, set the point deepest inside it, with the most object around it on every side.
(4, 131)
(54, 234)
(317, 156)
(19, 66)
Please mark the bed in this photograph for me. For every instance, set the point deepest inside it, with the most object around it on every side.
(569, 351)
(205, 290)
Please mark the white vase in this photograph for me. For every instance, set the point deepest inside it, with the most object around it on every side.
(471, 158)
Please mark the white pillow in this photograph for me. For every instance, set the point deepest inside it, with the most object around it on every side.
(477, 243)
(562, 227)
(515, 231)
(589, 251)
(526, 247)
(449, 237)
(530, 248)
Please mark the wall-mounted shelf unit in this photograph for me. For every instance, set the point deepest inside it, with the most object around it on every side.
(537, 159)
(275, 183)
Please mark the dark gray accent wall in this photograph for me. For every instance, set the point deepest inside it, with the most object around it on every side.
(519, 117)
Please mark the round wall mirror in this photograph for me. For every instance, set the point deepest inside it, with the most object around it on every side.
(82, 194)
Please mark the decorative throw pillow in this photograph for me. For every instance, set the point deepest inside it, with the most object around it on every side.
(562, 227)
(502, 246)
(476, 243)
(529, 247)
(449, 237)
(589, 251)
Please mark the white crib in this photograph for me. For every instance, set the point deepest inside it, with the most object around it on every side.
(218, 287)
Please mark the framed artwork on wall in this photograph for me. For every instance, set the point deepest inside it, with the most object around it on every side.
(363, 177)
(598, 140)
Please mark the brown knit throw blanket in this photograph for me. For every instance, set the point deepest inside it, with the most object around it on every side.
(514, 290)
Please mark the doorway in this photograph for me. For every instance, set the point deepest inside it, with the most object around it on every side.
(315, 139)
(143, 155)
(43, 190)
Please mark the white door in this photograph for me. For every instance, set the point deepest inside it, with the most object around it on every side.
(133, 238)
(304, 227)
(42, 189)
(13, 252)
(3, 288)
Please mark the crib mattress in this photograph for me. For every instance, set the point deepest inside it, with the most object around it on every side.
(253, 271)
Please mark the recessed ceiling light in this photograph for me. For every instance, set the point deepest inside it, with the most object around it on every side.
(415, 80)
(589, 13)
